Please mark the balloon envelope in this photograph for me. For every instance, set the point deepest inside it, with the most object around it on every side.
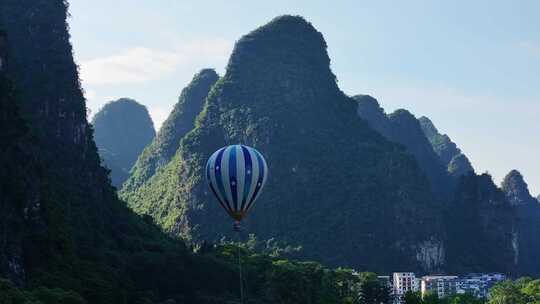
(236, 175)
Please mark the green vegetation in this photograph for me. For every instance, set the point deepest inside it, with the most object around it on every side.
(122, 128)
(457, 163)
(131, 261)
(211, 276)
(528, 224)
(65, 237)
(403, 128)
(180, 121)
(479, 221)
(416, 298)
(340, 190)
(522, 291)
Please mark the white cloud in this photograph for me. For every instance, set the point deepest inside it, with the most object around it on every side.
(90, 94)
(142, 64)
(159, 114)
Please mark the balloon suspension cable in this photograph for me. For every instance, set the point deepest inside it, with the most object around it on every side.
(238, 230)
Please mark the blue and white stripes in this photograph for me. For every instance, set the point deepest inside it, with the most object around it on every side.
(236, 175)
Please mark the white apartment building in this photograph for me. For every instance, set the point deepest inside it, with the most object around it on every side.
(440, 285)
(478, 284)
(403, 282)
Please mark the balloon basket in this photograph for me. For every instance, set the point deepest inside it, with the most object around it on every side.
(236, 226)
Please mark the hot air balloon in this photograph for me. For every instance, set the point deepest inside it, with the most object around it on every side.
(236, 175)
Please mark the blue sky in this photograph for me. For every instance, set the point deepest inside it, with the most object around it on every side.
(473, 67)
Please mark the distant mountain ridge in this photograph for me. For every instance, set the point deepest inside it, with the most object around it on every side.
(179, 123)
(456, 162)
(122, 129)
(480, 227)
(403, 128)
(528, 229)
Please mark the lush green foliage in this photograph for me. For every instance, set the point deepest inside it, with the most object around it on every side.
(213, 278)
(64, 234)
(180, 121)
(336, 187)
(67, 238)
(416, 298)
(122, 129)
(522, 291)
(457, 163)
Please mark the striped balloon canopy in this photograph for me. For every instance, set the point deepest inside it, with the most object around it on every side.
(236, 175)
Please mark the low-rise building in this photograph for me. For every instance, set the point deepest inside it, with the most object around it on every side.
(402, 282)
(440, 285)
(478, 284)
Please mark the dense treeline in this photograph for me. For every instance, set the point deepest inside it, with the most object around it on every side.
(417, 298)
(521, 291)
(211, 276)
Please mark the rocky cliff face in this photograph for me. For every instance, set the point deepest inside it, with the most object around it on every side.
(180, 121)
(460, 166)
(403, 128)
(122, 129)
(20, 181)
(68, 194)
(516, 190)
(528, 229)
(336, 187)
(59, 215)
(451, 156)
(480, 224)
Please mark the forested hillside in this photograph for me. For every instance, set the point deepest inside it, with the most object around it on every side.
(480, 224)
(481, 228)
(528, 229)
(122, 129)
(342, 190)
(451, 156)
(64, 235)
(339, 189)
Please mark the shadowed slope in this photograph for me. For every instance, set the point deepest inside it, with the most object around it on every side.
(122, 129)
